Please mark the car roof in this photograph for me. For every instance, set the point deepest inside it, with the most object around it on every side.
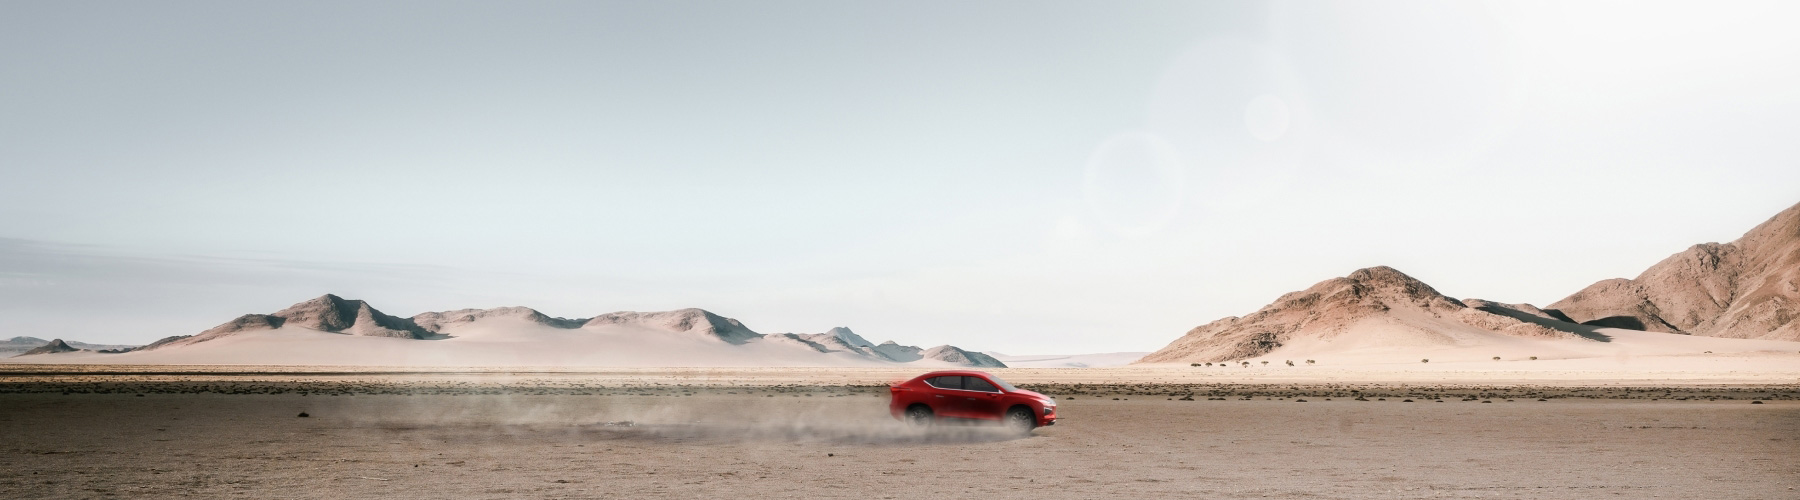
(956, 372)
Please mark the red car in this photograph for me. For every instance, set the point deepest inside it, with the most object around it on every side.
(970, 395)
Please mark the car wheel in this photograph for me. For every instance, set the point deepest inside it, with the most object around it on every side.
(1020, 419)
(919, 415)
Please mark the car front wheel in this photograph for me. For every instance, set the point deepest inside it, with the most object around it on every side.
(1021, 420)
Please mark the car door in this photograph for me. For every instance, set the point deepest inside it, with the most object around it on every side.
(981, 399)
(946, 395)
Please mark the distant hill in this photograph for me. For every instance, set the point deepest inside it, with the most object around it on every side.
(19, 345)
(55, 346)
(333, 330)
(1095, 360)
(1373, 307)
(1748, 289)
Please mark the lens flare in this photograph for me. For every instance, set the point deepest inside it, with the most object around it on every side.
(1134, 183)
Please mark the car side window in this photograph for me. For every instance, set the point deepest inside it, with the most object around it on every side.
(945, 382)
(978, 384)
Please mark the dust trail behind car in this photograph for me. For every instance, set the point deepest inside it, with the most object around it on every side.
(820, 417)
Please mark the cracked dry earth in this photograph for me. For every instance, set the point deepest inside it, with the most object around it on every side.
(838, 442)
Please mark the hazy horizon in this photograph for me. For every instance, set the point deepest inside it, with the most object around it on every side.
(1016, 177)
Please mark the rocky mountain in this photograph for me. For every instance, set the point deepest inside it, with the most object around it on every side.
(1749, 288)
(439, 321)
(693, 321)
(841, 336)
(55, 346)
(327, 313)
(1373, 306)
(1745, 289)
(18, 345)
(330, 313)
(896, 352)
(953, 354)
(333, 314)
(841, 339)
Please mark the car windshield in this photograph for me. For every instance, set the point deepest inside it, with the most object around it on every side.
(1002, 384)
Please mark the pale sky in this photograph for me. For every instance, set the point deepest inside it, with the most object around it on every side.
(1024, 177)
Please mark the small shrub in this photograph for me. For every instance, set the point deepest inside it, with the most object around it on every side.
(1209, 364)
(1425, 360)
(1496, 358)
(1309, 361)
(1534, 358)
(1265, 363)
(1290, 362)
(1194, 364)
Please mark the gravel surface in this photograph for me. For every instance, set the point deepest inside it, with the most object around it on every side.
(563, 438)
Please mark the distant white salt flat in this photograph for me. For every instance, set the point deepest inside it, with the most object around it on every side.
(1096, 360)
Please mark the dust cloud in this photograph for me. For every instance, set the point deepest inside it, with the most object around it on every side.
(849, 419)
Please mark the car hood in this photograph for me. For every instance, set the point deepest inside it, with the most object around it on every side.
(1034, 394)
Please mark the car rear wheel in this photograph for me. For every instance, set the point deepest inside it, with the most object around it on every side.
(1020, 419)
(919, 415)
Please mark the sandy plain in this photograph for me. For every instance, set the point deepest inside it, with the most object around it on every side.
(1134, 432)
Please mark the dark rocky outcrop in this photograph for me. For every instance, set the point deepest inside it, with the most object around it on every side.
(54, 347)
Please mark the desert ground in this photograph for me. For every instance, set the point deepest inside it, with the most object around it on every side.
(222, 432)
